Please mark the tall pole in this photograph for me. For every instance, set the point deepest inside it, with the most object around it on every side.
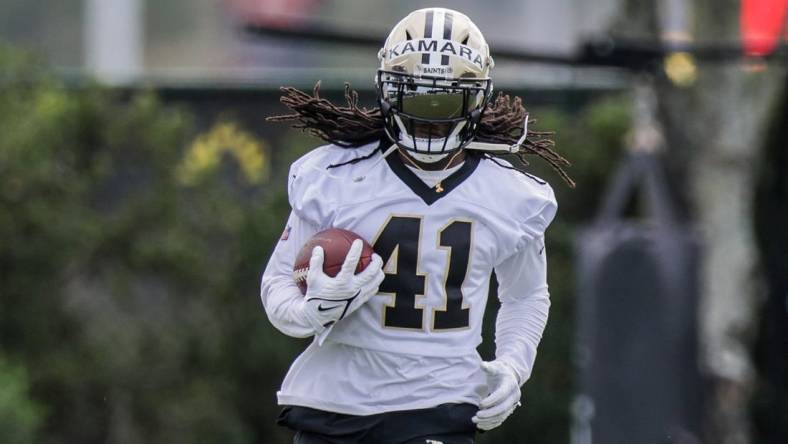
(113, 40)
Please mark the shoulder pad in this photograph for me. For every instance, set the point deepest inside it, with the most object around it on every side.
(532, 199)
(310, 183)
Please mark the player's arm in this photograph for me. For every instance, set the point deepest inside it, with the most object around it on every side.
(283, 301)
(521, 319)
(281, 297)
(525, 305)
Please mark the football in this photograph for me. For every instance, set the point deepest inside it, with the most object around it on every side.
(336, 244)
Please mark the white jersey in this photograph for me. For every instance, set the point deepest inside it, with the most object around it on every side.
(415, 342)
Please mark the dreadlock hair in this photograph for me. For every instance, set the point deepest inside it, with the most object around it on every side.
(352, 126)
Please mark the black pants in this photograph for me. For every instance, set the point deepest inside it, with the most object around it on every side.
(444, 424)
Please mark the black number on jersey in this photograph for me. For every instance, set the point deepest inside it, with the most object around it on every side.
(399, 242)
(400, 237)
(456, 238)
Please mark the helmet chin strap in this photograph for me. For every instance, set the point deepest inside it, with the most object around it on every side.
(501, 147)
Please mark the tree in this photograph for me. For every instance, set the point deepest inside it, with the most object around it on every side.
(20, 416)
(130, 266)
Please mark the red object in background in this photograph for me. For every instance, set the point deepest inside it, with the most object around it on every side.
(762, 24)
(280, 13)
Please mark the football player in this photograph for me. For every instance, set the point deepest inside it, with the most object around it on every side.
(421, 177)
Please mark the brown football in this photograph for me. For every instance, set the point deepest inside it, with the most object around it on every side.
(336, 244)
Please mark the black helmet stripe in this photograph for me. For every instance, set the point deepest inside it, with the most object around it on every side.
(425, 58)
(428, 24)
(447, 24)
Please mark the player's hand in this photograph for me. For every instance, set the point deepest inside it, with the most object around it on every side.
(329, 299)
(504, 395)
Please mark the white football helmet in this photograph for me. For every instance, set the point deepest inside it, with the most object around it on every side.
(434, 82)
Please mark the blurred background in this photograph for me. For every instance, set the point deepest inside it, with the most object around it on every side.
(141, 192)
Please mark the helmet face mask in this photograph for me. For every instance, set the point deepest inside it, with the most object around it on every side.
(432, 92)
(430, 114)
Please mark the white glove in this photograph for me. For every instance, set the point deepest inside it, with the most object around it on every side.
(331, 299)
(504, 397)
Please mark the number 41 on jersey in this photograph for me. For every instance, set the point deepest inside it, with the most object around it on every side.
(401, 238)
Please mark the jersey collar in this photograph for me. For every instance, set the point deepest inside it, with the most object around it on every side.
(425, 192)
